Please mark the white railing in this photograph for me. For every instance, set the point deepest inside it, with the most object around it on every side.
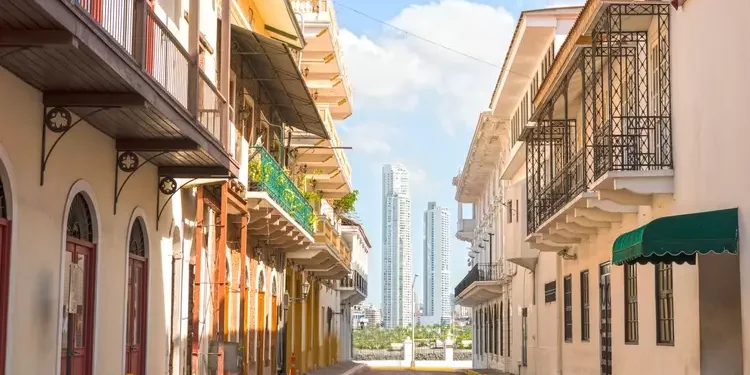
(115, 16)
(322, 11)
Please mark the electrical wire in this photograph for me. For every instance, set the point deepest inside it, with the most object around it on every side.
(423, 39)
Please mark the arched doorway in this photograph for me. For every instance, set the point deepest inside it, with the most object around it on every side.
(262, 324)
(80, 280)
(135, 346)
(4, 270)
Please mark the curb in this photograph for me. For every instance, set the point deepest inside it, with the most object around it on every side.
(419, 369)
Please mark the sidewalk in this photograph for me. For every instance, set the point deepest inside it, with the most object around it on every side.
(341, 368)
(486, 372)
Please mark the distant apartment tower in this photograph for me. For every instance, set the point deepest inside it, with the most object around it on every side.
(397, 278)
(437, 290)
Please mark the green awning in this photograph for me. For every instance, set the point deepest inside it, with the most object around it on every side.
(679, 238)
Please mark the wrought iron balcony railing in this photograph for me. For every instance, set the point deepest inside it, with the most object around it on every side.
(625, 119)
(480, 272)
(355, 281)
(265, 174)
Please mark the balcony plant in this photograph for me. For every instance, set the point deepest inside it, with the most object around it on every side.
(345, 204)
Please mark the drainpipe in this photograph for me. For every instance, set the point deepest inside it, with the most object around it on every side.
(560, 316)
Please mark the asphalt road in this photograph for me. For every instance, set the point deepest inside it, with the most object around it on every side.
(373, 372)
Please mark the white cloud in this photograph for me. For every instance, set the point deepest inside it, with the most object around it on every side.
(395, 70)
(370, 138)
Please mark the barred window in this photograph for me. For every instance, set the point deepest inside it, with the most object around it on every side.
(585, 327)
(510, 325)
(664, 304)
(550, 292)
(494, 331)
(568, 300)
(502, 343)
(631, 304)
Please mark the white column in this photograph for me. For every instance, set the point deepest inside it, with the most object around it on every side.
(408, 352)
(449, 349)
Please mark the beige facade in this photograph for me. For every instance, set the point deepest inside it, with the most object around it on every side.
(601, 148)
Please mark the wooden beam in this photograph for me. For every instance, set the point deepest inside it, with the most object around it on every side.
(93, 99)
(195, 172)
(158, 144)
(37, 38)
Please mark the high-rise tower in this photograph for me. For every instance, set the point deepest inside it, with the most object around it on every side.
(397, 270)
(437, 301)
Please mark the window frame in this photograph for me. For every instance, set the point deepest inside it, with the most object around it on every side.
(585, 306)
(630, 286)
(664, 272)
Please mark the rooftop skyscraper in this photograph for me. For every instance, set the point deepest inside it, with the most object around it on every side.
(397, 271)
(437, 288)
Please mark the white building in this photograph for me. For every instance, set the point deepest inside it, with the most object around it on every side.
(353, 288)
(437, 291)
(397, 270)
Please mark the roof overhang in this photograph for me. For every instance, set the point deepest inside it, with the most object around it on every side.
(479, 292)
(490, 138)
(534, 33)
(274, 67)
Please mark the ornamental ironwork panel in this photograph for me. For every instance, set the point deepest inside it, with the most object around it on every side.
(480, 272)
(621, 121)
(80, 221)
(268, 176)
(137, 245)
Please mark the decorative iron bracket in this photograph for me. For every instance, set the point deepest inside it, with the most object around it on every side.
(128, 162)
(57, 120)
(167, 186)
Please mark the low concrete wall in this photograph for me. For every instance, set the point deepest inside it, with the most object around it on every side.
(456, 365)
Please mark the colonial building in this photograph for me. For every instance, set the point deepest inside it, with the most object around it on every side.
(149, 195)
(626, 263)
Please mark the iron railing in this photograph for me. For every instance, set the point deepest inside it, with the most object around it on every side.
(355, 281)
(265, 174)
(625, 119)
(480, 272)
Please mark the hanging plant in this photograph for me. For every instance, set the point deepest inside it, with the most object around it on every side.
(345, 204)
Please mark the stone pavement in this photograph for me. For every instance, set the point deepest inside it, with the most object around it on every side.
(341, 368)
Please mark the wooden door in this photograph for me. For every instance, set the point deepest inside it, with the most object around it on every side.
(274, 330)
(260, 333)
(136, 314)
(79, 322)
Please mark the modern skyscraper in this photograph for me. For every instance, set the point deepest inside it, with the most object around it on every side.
(437, 291)
(397, 279)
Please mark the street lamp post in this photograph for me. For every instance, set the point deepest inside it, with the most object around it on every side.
(413, 322)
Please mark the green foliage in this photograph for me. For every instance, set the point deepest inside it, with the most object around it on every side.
(259, 172)
(345, 204)
(381, 338)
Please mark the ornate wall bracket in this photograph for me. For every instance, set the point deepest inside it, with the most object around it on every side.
(167, 186)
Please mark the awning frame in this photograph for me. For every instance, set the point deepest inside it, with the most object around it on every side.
(656, 242)
(310, 123)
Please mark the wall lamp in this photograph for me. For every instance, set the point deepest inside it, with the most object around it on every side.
(305, 292)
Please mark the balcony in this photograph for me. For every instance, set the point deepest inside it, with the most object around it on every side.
(323, 160)
(353, 288)
(482, 283)
(329, 257)
(601, 147)
(117, 66)
(278, 210)
(465, 229)
(322, 59)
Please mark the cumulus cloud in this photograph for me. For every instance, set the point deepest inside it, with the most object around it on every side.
(370, 138)
(395, 70)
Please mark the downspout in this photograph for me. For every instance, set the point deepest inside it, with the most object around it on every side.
(560, 313)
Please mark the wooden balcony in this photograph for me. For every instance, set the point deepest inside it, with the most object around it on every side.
(116, 65)
(352, 288)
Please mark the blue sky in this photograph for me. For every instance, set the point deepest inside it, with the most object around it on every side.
(417, 104)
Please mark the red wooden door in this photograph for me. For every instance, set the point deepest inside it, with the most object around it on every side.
(150, 34)
(261, 333)
(137, 294)
(79, 328)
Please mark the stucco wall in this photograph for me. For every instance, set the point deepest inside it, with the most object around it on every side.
(84, 160)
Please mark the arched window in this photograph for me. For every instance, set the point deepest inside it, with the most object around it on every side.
(3, 203)
(137, 245)
(4, 271)
(80, 221)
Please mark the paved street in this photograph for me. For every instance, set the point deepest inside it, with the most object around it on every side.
(373, 372)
